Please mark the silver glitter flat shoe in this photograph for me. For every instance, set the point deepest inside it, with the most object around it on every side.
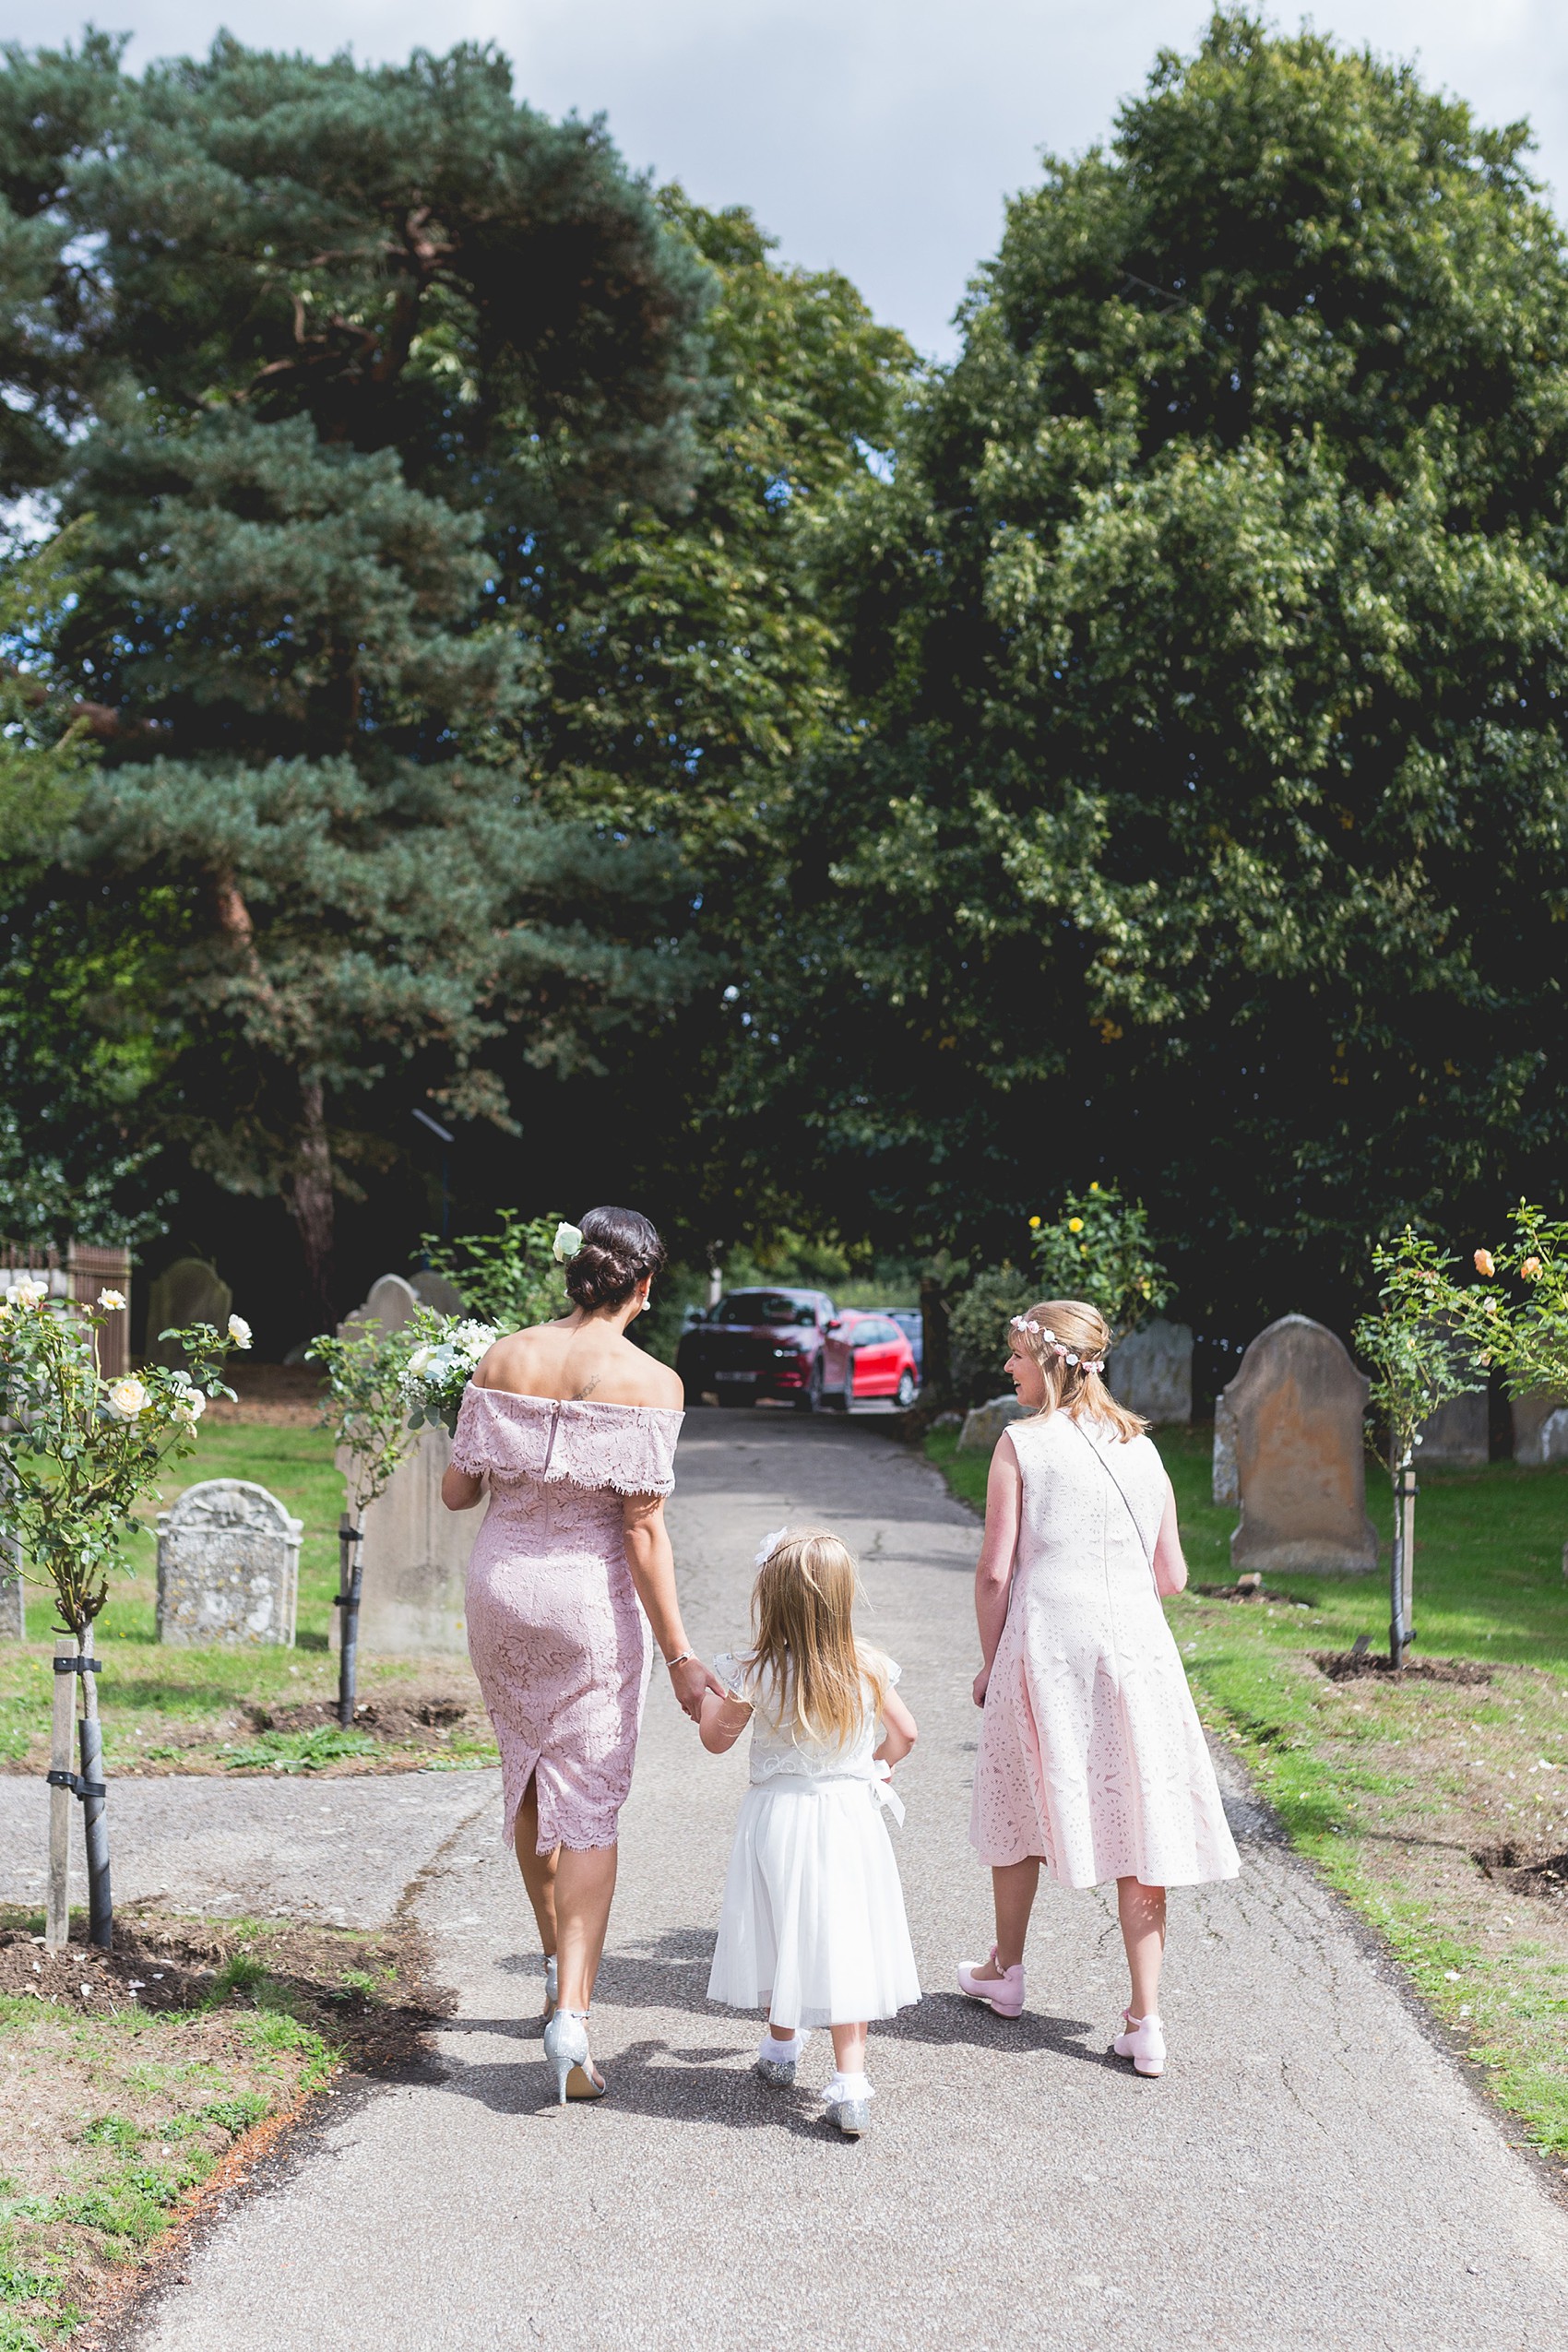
(853, 2117)
(779, 2072)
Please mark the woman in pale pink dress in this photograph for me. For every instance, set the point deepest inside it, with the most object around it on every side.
(1092, 1760)
(573, 1430)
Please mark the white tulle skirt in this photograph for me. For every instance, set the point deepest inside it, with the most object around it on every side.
(812, 1924)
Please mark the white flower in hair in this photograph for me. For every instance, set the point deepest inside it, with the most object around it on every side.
(567, 1242)
(770, 1544)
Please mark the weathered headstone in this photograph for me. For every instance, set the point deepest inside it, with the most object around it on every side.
(1458, 1433)
(435, 1291)
(416, 1559)
(12, 1593)
(984, 1424)
(228, 1567)
(1150, 1371)
(390, 1305)
(1224, 1486)
(188, 1291)
(1297, 1406)
(1541, 1430)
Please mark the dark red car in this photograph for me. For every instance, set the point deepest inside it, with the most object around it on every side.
(758, 1343)
(868, 1355)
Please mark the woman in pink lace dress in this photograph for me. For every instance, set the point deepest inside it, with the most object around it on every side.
(1091, 1759)
(572, 1430)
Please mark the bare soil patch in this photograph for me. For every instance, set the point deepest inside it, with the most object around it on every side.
(1543, 1875)
(1354, 1666)
(279, 1396)
(1244, 1592)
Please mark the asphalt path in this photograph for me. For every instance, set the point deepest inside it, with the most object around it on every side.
(1312, 2170)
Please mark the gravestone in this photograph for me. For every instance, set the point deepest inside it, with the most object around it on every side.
(416, 1557)
(1541, 1430)
(985, 1423)
(12, 1593)
(1150, 1371)
(1224, 1486)
(434, 1290)
(1297, 1407)
(228, 1567)
(188, 1291)
(390, 1305)
(1458, 1433)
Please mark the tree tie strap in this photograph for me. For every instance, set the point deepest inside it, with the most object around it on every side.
(77, 1785)
(77, 1665)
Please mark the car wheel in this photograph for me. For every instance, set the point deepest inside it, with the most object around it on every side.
(847, 1394)
(730, 1399)
(904, 1395)
(811, 1401)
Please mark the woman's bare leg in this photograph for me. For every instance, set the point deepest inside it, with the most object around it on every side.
(1014, 1886)
(538, 1869)
(1141, 1913)
(585, 1882)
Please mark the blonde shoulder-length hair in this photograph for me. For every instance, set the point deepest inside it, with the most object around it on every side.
(1067, 1339)
(809, 1673)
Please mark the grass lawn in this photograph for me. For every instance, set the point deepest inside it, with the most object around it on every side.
(128, 2080)
(1396, 1789)
(168, 1709)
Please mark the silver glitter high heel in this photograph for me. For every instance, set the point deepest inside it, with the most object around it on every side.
(566, 2048)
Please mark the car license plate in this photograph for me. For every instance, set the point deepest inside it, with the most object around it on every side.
(734, 1375)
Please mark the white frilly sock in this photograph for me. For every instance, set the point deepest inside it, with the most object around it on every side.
(847, 2086)
(784, 2051)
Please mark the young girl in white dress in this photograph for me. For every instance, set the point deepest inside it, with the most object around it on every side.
(1092, 1761)
(813, 1928)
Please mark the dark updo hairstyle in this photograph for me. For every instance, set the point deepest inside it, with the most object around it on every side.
(620, 1250)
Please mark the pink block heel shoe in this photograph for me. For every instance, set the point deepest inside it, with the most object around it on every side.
(1143, 2042)
(1003, 1993)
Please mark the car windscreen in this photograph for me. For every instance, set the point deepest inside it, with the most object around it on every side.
(763, 1306)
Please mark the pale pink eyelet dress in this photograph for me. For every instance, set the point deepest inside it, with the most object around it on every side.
(1091, 1754)
(556, 1632)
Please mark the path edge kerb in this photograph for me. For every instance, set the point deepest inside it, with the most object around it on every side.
(267, 2157)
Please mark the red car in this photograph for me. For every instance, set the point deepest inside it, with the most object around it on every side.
(867, 1355)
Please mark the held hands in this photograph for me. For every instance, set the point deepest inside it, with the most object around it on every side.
(689, 1679)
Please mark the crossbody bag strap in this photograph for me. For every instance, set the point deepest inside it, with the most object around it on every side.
(1121, 1491)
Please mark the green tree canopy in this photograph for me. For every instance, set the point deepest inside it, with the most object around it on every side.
(1203, 823)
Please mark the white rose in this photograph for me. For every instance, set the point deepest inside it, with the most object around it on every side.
(418, 1361)
(126, 1398)
(189, 1407)
(112, 1301)
(239, 1331)
(27, 1293)
(567, 1242)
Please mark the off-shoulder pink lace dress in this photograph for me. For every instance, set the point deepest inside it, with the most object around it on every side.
(556, 1632)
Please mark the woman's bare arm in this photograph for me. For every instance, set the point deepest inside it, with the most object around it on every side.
(652, 1564)
(993, 1575)
(460, 1490)
(1170, 1560)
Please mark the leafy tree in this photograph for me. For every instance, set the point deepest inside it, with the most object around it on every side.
(1204, 813)
(370, 345)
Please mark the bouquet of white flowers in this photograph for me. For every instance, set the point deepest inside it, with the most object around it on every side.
(440, 1362)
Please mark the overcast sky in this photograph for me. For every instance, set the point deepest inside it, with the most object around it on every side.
(879, 136)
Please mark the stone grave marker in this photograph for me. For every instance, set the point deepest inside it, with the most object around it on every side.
(228, 1567)
(416, 1559)
(1297, 1407)
(984, 1424)
(390, 1305)
(1458, 1433)
(1150, 1371)
(435, 1291)
(190, 1291)
(1541, 1430)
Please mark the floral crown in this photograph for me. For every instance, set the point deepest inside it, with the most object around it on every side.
(1058, 1347)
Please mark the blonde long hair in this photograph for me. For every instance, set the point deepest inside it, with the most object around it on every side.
(805, 1659)
(1081, 1331)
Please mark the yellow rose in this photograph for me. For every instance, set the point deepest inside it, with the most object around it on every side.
(1486, 1263)
(1075, 1225)
(1034, 1225)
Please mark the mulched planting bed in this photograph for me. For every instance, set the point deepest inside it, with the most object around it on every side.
(1352, 1666)
(134, 2081)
